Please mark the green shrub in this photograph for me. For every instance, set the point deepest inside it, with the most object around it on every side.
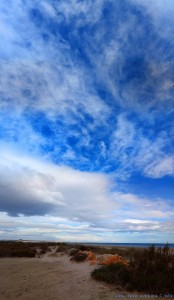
(113, 273)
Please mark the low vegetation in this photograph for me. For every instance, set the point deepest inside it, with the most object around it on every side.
(145, 270)
(150, 270)
(112, 273)
(63, 247)
(16, 249)
(23, 249)
(80, 256)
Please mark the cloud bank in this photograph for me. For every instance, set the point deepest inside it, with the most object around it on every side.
(69, 203)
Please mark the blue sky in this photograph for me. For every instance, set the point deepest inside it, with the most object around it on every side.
(86, 120)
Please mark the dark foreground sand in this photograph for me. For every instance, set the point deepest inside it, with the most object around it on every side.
(52, 277)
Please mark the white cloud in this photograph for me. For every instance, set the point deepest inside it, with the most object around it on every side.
(134, 206)
(48, 77)
(123, 139)
(47, 88)
(135, 221)
(57, 190)
(152, 159)
(54, 228)
(136, 150)
(89, 11)
(161, 14)
(45, 201)
(161, 167)
(43, 75)
(158, 8)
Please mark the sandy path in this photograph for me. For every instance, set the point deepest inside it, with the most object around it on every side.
(53, 278)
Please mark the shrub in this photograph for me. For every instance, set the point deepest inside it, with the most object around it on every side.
(79, 257)
(149, 270)
(112, 273)
(109, 259)
(23, 249)
(83, 248)
(16, 249)
(63, 247)
(73, 251)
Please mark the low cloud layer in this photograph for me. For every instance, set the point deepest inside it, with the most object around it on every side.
(67, 203)
(30, 187)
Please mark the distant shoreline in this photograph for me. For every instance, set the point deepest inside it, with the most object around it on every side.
(133, 245)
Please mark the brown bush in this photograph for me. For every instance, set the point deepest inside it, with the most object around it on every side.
(80, 256)
(16, 249)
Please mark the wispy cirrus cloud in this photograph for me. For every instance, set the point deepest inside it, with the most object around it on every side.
(161, 167)
(48, 72)
(141, 148)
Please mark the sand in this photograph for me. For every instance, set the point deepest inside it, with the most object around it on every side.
(52, 277)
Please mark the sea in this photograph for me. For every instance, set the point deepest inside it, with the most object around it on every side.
(135, 245)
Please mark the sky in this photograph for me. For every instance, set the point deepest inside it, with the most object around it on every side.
(87, 120)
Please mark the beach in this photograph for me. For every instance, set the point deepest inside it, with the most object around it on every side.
(53, 276)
